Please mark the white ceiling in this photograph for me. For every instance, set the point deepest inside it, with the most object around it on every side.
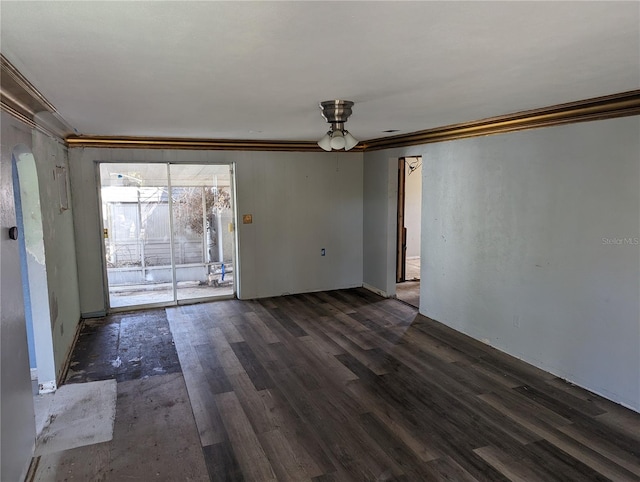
(257, 70)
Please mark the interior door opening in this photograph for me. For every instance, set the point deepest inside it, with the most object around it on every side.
(408, 230)
(35, 287)
(169, 232)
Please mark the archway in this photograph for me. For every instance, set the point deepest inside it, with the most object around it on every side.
(33, 267)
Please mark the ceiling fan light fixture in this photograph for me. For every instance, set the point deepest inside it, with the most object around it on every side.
(337, 140)
(349, 141)
(336, 113)
(325, 142)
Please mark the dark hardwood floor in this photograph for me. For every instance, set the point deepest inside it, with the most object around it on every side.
(348, 386)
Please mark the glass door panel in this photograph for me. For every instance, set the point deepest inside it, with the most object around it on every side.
(137, 234)
(203, 231)
(168, 232)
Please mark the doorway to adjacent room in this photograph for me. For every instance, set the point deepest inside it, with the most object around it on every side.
(408, 230)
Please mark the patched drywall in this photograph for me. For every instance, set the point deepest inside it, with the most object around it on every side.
(59, 244)
(300, 203)
(31, 203)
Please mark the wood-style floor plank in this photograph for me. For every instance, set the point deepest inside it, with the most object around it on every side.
(254, 369)
(409, 434)
(511, 467)
(347, 386)
(290, 462)
(446, 468)
(586, 453)
(246, 446)
(222, 463)
(260, 327)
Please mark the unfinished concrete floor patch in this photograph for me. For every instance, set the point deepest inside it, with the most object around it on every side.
(124, 346)
(154, 439)
(79, 414)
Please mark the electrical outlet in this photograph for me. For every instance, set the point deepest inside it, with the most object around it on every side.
(322, 252)
(516, 321)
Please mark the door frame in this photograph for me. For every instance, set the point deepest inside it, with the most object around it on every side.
(401, 230)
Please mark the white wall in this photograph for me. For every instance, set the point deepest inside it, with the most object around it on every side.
(380, 191)
(300, 202)
(515, 253)
(17, 424)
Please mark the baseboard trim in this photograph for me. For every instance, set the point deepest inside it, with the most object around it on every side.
(375, 290)
(32, 468)
(67, 360)
(93, 314)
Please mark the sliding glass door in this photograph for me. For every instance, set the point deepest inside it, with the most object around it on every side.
(203, 230)
(168, 232)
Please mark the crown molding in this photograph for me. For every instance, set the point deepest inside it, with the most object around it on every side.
(193, 144)
(18, 90)
(20, 99)
(17, 114)
(597, 108)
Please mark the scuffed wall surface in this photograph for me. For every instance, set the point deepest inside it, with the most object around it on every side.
(300, 202)
(520, 248)
(515, 231)
(17, 424)
(59, 243)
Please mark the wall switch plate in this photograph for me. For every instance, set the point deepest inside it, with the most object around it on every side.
(322, 252)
